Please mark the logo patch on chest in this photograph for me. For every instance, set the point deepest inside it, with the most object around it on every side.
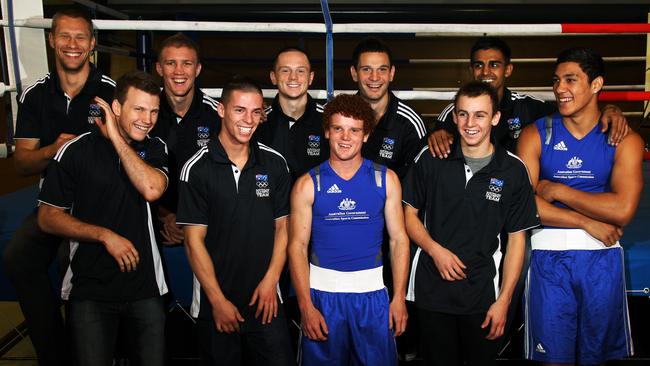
(574, 163)
(387, 147)
(347, 205)
(514, 125)
(313, 145)
(262, 185)
(202, 136)
(494, 190)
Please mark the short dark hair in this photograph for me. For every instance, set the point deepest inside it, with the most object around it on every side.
(589, 60)
(491, 43)
(180, 40)
(371, 44)
(239, 83)
(475, 89)
(137, 79)
(76, 13)
(353, 106)
(290, 49)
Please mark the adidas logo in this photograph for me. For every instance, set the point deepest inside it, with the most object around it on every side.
(539, 348)
(334, 189)
(560, 146)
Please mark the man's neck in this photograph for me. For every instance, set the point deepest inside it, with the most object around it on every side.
(293, 107)
(379, 107)
(346, 169)
(73, 82)
(581, 123)
(500, 93)
(237, 152)
(481, 151)
(180, 104)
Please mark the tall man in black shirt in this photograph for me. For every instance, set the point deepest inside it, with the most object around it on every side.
(234, 203)
(115, 279)
(187, 120)
(51, 112)
(294, 124)
(455, 210)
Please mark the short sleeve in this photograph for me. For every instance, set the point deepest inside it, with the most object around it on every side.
(282, 191)
(61, 176)
(522, 214)
(157, 155)
(414, 183)
(193, 197)
(28, 124)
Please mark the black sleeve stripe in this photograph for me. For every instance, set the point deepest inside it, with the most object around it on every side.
(414, 118)
(62, 149)
(445, 112)
(185, 172)
(266, 148)
(36, 83)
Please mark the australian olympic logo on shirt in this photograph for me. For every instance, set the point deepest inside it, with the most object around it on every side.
(313, 145)
(202, 136)
(494, 190)
(142, 154)
(574, 163)
(262, 184)
(574, 170)
(387, 147)
(514, 125)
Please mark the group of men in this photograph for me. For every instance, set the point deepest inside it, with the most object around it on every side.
(330, 188)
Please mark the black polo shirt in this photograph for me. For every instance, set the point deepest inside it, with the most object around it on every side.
(240, 215)
(518, 110)
(302, 142)
(465, 213)
(87, 178)
(45, 111)
(184, 136)
(397, 137)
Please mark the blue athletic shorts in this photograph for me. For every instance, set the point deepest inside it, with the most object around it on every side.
(358, 330)
(576, 308)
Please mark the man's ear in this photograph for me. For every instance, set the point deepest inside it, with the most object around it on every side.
(508, 70)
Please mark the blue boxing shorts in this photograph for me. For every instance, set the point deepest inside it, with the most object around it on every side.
(357, 324)
(575, 302)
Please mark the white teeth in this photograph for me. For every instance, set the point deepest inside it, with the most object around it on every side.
(141, 128)
(487, 81)
(564, 100)
(245, 130)
(72, 54)
(471, 132)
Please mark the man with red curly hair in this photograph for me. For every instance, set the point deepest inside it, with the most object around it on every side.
(341, 205)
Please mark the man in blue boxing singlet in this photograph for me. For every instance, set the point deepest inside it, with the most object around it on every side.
(586, 192)
(340, 208)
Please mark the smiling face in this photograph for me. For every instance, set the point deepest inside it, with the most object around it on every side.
(474, 119)
(573, 91)
(240, 116)
(373, 74)
(489, 66)
(179, 67)
(72, 43)
(137, 116)
(292, 74)
(346, 137)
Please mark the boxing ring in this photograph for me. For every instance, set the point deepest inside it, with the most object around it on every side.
(16, 205)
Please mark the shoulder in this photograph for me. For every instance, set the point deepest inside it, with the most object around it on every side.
(74, 146)
(320, 108)
(209, 102)
(412, 117)
(447, 112)
(303, 189)
(194, 164)
(272, 156)
(525, 98)
(107, 81)
(156, 142)
(631, 146)
(517, 167)
(34, 90)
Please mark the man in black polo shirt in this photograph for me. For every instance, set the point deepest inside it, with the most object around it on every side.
(455, 211)
(294, 124)
(52, 111)
(490, 63)
(97, 193)
(234, 203)
(187, 120)
(397, 135)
